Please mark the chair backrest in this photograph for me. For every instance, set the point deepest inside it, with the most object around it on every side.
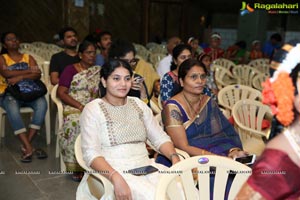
(229, 95)
(249, 115)
(244, 74)
(258, 80)
(162, 49)
(223, 76)
(142, 51)
(59, 106)
(182, 173)
(107, 189)
(151, 45)
(154, 58)
(228, 64)
(258, 62)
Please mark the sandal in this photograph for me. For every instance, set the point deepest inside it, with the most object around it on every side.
(40, 154)
(77, 176)
(26, 158)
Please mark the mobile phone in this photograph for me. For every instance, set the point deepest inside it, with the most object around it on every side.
(143, 170)
(247, 160)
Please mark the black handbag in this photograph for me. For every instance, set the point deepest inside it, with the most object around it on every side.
(27, 90)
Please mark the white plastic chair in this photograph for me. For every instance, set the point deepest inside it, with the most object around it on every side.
(244, 74)
(142, 51)
(154, 58)
(161, 49)
(102, 187)
(181, 172)
(258, 80)
(248, 117)
(223, 77)
(229, 95)
(228, 64)
(259, 62)
(58, 124)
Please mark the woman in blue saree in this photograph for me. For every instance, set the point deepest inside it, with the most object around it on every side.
(193, 120)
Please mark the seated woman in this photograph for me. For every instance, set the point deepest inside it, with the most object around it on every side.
(170, 83)
(11, 59)
(113, 144)
(125, 50)
(274, 174)
(256, 51)
(206, 60)
(78, 85)
(194, 121)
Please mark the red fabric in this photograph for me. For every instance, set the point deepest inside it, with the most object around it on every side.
(275, 176)
(265, 123)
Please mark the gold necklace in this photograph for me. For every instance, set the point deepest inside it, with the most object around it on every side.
(190, 105)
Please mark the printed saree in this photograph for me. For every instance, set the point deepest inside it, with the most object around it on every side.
(210, 130)
(83, 88)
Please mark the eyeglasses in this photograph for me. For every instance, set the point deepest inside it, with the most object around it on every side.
(14, 39)
(185, 57)
(202, 77)
(132, 62)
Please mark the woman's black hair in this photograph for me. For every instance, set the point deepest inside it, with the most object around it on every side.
(177, 51)
(108, 68)
(294, 76)
(84, 45)
(3, 36)
(185, 67)
(119, 48)
(276, 126)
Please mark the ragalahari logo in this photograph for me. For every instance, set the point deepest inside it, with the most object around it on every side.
(246, 8)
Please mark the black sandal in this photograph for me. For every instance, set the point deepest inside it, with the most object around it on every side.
(26, 158)
(40, 154)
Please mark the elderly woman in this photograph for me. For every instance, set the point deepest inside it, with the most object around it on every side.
(194, 121)
(16, 68)
(78, 85)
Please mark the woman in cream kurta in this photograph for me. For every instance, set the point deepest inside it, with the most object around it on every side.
(118, 133)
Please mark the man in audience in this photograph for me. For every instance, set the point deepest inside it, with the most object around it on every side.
(165, 64)
(272, 45)
(68, 56)
(103, 44)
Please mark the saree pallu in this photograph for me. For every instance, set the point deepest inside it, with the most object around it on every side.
(210, 130)
(275, 176)
(83, 88)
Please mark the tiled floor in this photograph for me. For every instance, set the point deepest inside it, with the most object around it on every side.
(32, 181)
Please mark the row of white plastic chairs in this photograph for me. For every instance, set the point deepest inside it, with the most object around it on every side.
(253, 74)
(41, 49)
